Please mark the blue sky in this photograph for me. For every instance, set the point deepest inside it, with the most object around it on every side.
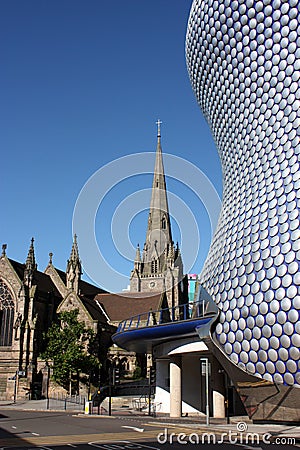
(82, 84)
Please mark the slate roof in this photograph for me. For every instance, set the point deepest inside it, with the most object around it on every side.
(44, 283)
(86, 289)
(121, 306)
(93, 309)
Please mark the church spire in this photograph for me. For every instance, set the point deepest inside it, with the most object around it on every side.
(158, 236)
(137, 260)
(30, 265)
(138, 254)
(159, 269)
(73, 271)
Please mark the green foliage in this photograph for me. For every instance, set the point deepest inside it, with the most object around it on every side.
(137, 373)
(71, 347)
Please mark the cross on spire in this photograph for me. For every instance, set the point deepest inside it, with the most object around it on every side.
(158, 123)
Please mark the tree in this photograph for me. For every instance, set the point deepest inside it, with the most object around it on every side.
(71, 347)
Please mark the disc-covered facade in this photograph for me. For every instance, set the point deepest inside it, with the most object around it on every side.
(243, 58)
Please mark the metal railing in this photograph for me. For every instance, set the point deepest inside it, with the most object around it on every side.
(63, 402)
(187, 311)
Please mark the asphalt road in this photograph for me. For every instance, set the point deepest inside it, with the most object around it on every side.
(63, 431)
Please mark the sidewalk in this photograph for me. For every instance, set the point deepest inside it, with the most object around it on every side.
(41, 405)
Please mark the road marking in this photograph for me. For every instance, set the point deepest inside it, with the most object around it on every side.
(71, 445)
(121, 445)
(35, 434)
(40, 448)
(248, 447)
(77, 439)
(14, 427)
(139, 430)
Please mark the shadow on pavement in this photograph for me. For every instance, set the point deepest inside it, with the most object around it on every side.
(10, 440)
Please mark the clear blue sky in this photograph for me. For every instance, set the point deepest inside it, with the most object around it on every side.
(82, 84)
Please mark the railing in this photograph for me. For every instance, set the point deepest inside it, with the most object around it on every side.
(186, 311)
(63, 402)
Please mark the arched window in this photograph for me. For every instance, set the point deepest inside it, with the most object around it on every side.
(7, 311)
(163, 223)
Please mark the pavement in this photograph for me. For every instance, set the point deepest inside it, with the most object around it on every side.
(237, 425)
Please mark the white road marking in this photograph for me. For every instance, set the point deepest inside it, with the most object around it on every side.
(122, 445)
(35, 434)
(139, 430)
(248, 447)
(39, 448)
(14, 427)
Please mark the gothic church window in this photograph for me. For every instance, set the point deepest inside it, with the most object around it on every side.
(163, 223)
(154, 266)
(7, 311)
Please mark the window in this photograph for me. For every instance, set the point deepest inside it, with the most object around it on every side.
(154, 266)
(163, 223)
(7, 311)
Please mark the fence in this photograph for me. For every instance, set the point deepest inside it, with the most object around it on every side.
(67, 403)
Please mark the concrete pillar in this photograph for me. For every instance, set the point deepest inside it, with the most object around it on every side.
(175, 387)
(218, 405)
(162, 389)
(218, 390)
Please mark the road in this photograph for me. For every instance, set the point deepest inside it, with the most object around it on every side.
(62, 431)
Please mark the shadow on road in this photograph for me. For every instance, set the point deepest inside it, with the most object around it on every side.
(11, 440)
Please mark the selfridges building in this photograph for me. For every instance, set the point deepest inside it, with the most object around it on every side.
(243, 58)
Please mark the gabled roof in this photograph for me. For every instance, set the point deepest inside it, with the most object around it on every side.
(93, 309)
(121, 306)
(44, 283)
(86, 289)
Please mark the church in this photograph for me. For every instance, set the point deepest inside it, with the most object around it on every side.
(30, 300)
(159, 268)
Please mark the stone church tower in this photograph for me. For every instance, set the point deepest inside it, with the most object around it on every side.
(159, 267)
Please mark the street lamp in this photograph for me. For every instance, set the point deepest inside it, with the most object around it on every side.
(16, 386)
(48, 381)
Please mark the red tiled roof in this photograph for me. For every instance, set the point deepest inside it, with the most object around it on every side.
(121, 306)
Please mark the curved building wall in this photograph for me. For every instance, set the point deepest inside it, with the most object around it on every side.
(243, 58)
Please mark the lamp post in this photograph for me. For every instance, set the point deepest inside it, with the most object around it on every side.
(48, 381)
(16, 386)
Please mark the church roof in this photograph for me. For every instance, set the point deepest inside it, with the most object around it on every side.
(121, 306)
(93, 309)
(86, 289)
(44, 283)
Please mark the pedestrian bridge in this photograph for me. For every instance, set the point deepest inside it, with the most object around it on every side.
(174, 337)
(142, 332)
